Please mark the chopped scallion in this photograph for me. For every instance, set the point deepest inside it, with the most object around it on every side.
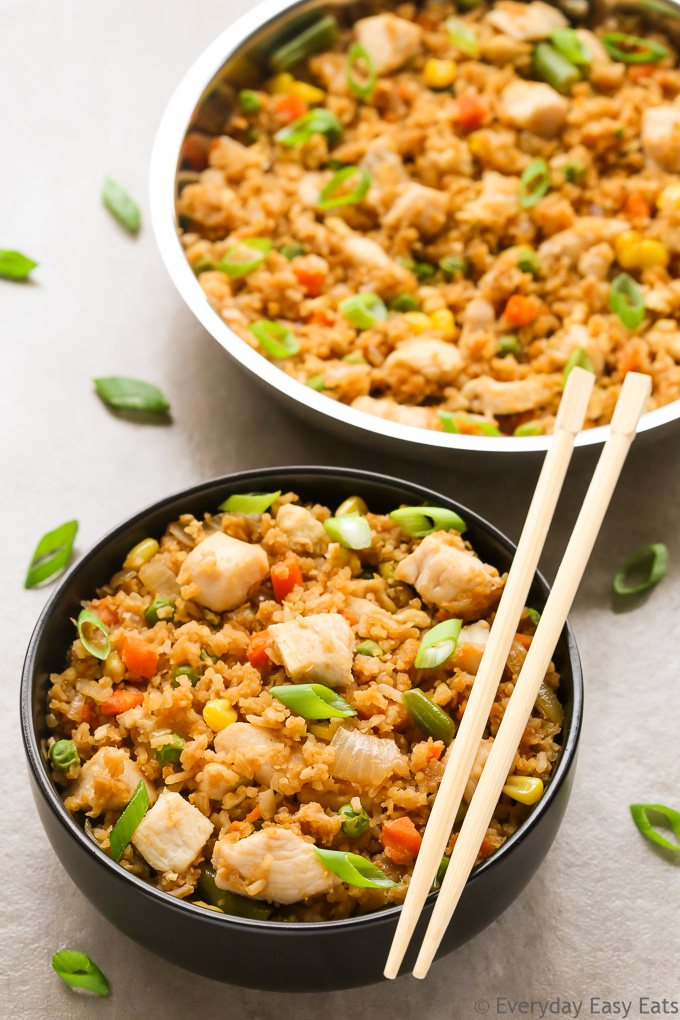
(15, 266)
(79, 971)
(529, 428)
(575, 173)
(245, 256)
(125, 394)
(370, 648)
(121, 206)
(276, 339)
(316, 382)
(249, 502)
(534, 183)
(463, 424)
(463, 36)
(578, 358)
(653, 559)
(534, 616)
(313, 701)
(101, 649)
(123, 830)
(630, 49)
(627, 300)
(318, 121)
(354, 869)
(438, 644)
(363, 310)
(316, 37)
(52, 553)
(352, 531)
(419, 521)
(331, 196)
(363, 86)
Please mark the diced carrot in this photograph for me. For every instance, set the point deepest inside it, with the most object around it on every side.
(194, 152)
(520, 310)
(629, 358)
(285, 576)
(86, 714)
(138, 656)
(121, 701)
(434, 751)
(258, 655)
(524, 639)
(485, 850)
(637, 206)
(105, 611)
(351, 618)
(470, 111)
(253, 815)
(639, 71)
(321, 317)
(401, 840)
(311, 279)
(290, 108)
(404, 91)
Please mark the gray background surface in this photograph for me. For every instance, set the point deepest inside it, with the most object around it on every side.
(82, 88)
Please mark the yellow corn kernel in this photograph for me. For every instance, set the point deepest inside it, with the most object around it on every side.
(626, 247)
(418, 321)
(309, 94)
(321, 730)
(141, 554)
(219, 714)
(651, 254)
(280, 84)
(443, 321)
(439, 74)
(525, 789)
(476, 144)
(114, 667)
(669, 197)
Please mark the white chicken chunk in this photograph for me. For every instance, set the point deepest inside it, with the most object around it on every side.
(534, 106)
(257, 750)
(314, 649)
(172, 834)
(492, 397)
(438, 361)
(568, 245)
(222, 571)
(661, 136)
(496, 203)
(273, 864)
(106, 783)
(403, 414)
(483, 752)
(471, 644)
(389, 41)
(447, 575)
(527, 22)
(216, 779)
(304, 532)
(418, 206)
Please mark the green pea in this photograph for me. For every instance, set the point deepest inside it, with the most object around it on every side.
(404, 303)
(508, 344)
(290, 251)
(249, 101)
(451, 265)
(423, 271)
(63, 755)
(169, 753)
(354, 822)
(369, 648)
(187, 671)
(151, 611)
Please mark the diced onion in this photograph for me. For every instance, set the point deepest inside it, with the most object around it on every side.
(159, 579)
(362, 758)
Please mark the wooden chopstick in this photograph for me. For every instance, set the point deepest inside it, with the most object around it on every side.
(631, 404)
(569, 421)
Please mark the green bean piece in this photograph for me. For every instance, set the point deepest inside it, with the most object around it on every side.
(159, 603)
(63, 754)
(354, 823)
(431, 719)
(170, 752)
(550, 66)
(228, 902)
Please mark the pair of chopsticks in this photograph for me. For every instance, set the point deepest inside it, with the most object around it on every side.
(630, 406)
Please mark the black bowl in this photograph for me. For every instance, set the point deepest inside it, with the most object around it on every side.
(265, 954)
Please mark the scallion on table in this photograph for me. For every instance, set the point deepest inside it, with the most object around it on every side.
(79, 971)
(52, 553)
(121, 205)
(124, 394)
(15, 266)
(651, 561)
(646, 816)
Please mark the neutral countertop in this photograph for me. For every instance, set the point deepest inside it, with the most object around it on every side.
(82, 88)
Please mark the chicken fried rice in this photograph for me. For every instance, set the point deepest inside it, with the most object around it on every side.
(257, 711)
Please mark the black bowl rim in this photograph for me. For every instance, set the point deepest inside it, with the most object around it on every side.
(426, 496)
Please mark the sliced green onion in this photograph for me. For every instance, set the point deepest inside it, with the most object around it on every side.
(550, 66)
(79, 971)
(352, 531)
(52, 553)
(123, 830)
(404, 303)
(121, 206)
(534, 616)
(363, 310)
(170, 752)
(529, 428)
(363, 87)
(249, 502)
(330, 197)
(354, 869)
(15, 266)
(575, 173)
(276, 339)
(451, 419)
(249, 101)
(528, 261)
(534, 183)
(63, 754)
(229, 902)
(508, 344)
(653, 558)
(160, 602)
(647, 815)
(313, 701)
(438, 644)
(318, 121)
(371, 648)
(352, 505)
(291, 251)
(430, 718)
(578, 358)
(317, 37)
(441, 870)
(100, 651)
(627, 300)
(125, 394)
(419, 521)
(245, 256)
(567, 42)
(354, 823)
(316, 382)
(630, 49)
(451, 265)
(186, 671)
(463, 36)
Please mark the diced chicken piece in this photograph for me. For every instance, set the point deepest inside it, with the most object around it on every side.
(478, 316)
(389, 41)
(597, 261)
(438, 361)
(566, 340)
(496, 203)
(314, 649)
(471, 645)
(305, 533)
(403, 414)
(378, 271)
(534, 106)
(568, 245)
(593, 46)
(419, 207)
(661, 136)
(212, 205)
(527, 22)
(172, 834)
(492, 397)
(221, 571)
(373, 621)
(383, 164)
(234, 158)
(363, 251)
(309, 187)
(446, 574)
(106, 783)
(274, 864)
(254, 748)
(483, 752)
(216, 779)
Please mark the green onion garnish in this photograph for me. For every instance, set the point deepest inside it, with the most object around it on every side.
(438, 644)
(316, 382)
(354, 869)
(276, 339)
(249, 502)
(404, 303)
(290, 251)
(63, 754)
(354, 823)
(451, 421)
(317, 37)
(249, 101)
(578, 357)
(313, 701)
(654, 558)
(463, 36)
(352, 531)
(331, 196)
(567, 42)
(371, 648)
(245, 256)
(363, 310)
(419, 521)
(508, 344)
(529, 428)
(170, 752)
(100, 650)
(121, 206)
(151, 613)
(131, 395)
(627, 300)
(364, 86)
(575, 173)
(451, 265)
(15, 266)
(52, 553)
(123, 830)
(534, 616)
(441, 870)
(431, 719)
(79, 971)
(647, 815)
(630, 49)
(534, 183)
(318, 121)
(552, 67)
